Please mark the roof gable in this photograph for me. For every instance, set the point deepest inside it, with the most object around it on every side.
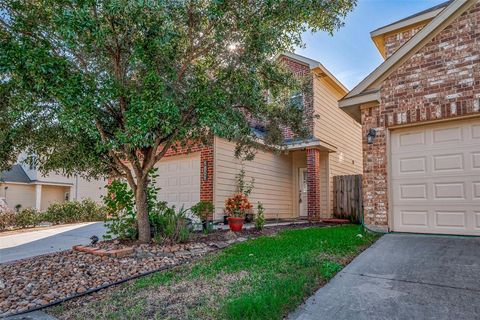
(369, 87)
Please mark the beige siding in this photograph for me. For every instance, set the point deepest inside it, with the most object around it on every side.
(337, 128)
(52, 194)
(89, 189)
(273, 179)
(22, 194)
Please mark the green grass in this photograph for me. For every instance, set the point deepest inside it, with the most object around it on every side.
(264, 278)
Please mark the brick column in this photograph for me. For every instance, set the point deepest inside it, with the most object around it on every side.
(313, 181)
(206, 173)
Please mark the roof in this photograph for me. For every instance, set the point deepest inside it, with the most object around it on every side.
(418, 19)
(416, 15)
(367, 90)
(15, 174)
(318, 67)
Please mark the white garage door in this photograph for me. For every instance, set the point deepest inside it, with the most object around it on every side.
(179, 180)
(436, 178)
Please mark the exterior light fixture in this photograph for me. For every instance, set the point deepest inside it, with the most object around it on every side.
(372, 133)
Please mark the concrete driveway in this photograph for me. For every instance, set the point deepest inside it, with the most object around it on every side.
(404, 277)
(32, 243)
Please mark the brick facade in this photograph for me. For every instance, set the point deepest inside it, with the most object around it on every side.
(396, 40)
(440, 81)
(313, 182)
(302, 70)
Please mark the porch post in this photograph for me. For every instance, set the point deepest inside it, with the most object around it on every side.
(313, 181)
(38, 197)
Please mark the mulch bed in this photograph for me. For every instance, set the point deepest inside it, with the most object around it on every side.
(38, 281)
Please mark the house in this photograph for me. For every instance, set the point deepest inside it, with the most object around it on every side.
(24, 186)
(294, 183)
(420, 113)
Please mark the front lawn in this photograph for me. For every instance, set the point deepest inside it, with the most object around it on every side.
(264, 278)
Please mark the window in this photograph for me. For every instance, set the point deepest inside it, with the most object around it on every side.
(297, 100)
(67, 196)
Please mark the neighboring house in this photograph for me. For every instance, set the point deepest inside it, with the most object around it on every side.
(27, 187)
(421, 111)
(296, 182)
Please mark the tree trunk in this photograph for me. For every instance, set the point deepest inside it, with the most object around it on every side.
(142, 212)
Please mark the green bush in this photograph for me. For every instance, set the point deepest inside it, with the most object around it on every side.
(74, 211)
(203, 210)
(7, 220)
(121, 222)
(168, 224)
(260, 218)
(26, 218)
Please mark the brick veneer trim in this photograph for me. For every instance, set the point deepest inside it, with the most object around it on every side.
(313, 182)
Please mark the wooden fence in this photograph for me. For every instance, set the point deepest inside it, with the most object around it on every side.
(347, 197)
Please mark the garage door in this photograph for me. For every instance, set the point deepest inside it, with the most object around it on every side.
(179, 180)
(436, 178)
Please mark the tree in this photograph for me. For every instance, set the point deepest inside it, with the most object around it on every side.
(98, 87)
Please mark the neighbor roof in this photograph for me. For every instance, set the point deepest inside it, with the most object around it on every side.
(368, 89)
(15, 174)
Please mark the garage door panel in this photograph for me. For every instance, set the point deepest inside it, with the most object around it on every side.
(447, 162)
(435, 178)
(449, 191)
(179, 180)
(475, 160)
(475, 131)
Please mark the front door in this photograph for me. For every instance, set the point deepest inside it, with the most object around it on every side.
(303, 192)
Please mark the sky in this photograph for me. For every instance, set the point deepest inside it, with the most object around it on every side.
(350, 54)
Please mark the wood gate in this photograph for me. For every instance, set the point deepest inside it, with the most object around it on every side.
(347, 197)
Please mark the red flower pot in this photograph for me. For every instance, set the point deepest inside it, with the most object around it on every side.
(235, 224)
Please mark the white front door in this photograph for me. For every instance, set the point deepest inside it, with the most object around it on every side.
(436, 178)
(303, 192)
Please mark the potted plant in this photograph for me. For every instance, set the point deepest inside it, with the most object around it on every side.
(236, 207)
(245, 187)
(203, 210)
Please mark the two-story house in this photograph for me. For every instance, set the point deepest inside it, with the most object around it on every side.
(294, 183)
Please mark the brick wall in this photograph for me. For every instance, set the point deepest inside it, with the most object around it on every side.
(301, 70)
(396, 40)
(313, 182)
(441, 81)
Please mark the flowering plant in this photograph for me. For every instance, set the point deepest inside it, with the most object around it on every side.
(237, 205)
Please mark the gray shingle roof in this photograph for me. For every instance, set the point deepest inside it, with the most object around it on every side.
(15, 174)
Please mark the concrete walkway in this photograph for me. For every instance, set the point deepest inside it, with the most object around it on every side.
(37, 242)
(404, 277)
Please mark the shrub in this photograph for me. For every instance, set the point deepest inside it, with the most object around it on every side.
(7, 219)
(238, 205)
(203, 210)
(121, 221)
(260, 218)
(120, 202)
(168, 224)
(26, 218)
(74, 211)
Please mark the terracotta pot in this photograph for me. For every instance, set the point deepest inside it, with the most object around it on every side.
(235, 224)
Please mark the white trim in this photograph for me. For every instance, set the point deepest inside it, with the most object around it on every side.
(311, 144)
(404, 52)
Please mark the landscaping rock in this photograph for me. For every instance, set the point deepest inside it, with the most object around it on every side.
(41, 280)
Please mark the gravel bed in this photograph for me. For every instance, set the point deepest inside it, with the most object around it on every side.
(38, 281)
